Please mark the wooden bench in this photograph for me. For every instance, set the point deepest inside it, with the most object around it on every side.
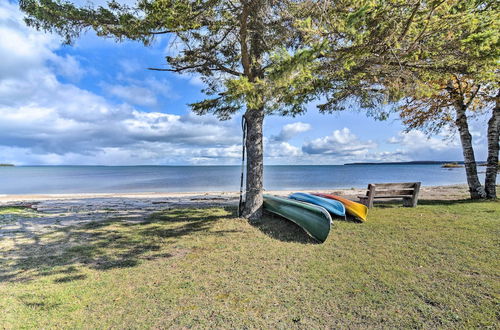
(408, 191)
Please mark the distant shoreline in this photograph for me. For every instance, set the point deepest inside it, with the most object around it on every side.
(417, 162)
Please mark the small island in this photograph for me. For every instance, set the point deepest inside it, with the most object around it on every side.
(451, 165)
(7, 165)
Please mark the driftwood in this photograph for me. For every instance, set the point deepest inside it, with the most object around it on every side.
(408, 191)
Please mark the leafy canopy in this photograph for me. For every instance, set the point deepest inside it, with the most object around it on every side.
(231, 45)
(379, 52)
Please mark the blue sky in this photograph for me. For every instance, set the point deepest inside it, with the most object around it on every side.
(96, 103)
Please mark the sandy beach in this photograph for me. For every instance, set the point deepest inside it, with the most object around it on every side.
(449, 192)
(51, 210)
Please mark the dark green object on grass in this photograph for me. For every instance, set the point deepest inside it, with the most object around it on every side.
(315, 220)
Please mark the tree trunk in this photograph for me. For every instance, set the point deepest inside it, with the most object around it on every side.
(475, 188)
(255, 164)
(492, 163)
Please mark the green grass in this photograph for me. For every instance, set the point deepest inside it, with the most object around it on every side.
(10, 214)
(431, 266)
(10, 210)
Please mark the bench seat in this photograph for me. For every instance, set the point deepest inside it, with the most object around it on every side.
(408, 191)
(385, 196)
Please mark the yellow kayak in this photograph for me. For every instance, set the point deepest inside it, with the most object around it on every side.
(358, 210)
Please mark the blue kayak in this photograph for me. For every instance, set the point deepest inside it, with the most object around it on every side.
(332, 206)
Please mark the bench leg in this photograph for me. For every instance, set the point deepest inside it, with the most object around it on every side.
(371, 195)
(368, 202)
(364, 201)
(415, 194)
(409, 202)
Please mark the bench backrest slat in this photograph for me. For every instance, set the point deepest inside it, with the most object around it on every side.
(398, 185)
(399, 189)
(407, 192)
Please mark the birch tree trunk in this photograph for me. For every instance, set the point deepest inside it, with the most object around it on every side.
(475, 188)
(492, 163)
(255, 164)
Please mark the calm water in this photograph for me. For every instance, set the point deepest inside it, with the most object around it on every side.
(87, 179)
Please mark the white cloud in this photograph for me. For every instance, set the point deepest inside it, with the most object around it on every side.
(417, 142)
(196, 80)
(69, 67)
(291, 130)
(45, 121)
(193, 79)
(132, 94)
(393, 140)
(156, 126)
(130, 66)
(139, 92)
(232, 152)
(161, 87)
(340, 143)
(282, 150)
(445, 146)
(21, 48)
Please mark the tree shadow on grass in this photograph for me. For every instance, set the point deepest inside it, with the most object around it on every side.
(424, 202)
(282, 229)
(103, 245)
(347, 218)
(37, 302)
(453, 202)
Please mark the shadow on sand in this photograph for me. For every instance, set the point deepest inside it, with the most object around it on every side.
(103, 245)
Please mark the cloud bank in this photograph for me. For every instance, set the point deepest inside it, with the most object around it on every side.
(46, 121)
(47, 117)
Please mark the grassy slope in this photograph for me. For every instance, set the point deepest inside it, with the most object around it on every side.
(435, 265)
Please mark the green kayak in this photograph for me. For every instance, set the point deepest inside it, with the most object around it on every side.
(315, 220)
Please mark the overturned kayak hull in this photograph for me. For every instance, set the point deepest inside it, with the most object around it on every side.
(332, 206)
(357, 210)
(315, 220)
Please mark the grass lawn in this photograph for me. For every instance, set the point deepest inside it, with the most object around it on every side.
(436, 265)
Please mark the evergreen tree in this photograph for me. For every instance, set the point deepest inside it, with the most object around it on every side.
(231, 44)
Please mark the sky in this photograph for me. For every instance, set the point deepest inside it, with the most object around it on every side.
(95, 103)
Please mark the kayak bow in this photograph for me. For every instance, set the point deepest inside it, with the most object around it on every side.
(315, 220)
(357, 210)
(332, 206)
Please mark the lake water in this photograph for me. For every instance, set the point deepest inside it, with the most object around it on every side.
(98, 179)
